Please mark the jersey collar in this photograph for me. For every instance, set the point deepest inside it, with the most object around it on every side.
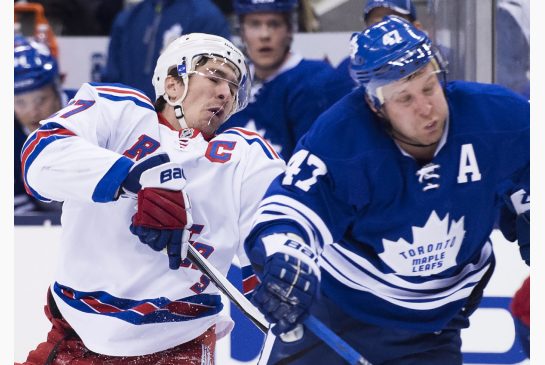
(186, 133)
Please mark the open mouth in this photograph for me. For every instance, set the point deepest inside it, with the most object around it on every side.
(216, 111)
(265, 50)
(431, 126)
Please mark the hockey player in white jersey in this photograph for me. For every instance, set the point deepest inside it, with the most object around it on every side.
(396, 188)
(124, 168)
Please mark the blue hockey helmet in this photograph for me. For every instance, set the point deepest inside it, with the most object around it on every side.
(256, 6)
(405, 7)
(389, 51)
(34, 66)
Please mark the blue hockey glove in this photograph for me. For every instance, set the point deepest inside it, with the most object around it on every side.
(163, 211)
(523, 235)
(289, 280)
(515, 221)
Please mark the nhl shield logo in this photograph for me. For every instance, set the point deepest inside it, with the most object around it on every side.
(183, 138)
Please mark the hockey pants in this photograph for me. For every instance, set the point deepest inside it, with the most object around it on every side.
(63, 346)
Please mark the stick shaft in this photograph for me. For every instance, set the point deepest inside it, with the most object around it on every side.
(228, 289)
(329, 337)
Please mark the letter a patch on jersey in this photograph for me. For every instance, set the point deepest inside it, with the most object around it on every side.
(468, 165)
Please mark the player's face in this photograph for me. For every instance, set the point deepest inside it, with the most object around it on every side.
(211, 94)
(267, 38)
(416, 108)
(33, 106)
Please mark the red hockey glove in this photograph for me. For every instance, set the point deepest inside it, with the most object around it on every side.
(163, 212)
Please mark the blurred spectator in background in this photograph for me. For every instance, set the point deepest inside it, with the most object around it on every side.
(226, 6)
(142, 31)
(339, 82)
(513, 45)
(285, 98)
(38, 94)
(307, 18)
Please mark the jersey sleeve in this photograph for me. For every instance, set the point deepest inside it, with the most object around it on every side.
(77, 153)
(307, 200)
(259, 164)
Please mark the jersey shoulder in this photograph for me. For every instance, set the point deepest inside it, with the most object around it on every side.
(246, 141)
(116, 92)
(486, 107)
(347, 130)
(311, 65)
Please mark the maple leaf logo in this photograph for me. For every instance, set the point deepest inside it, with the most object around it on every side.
(434, 249)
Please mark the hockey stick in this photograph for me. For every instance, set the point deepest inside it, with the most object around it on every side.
(323, 332)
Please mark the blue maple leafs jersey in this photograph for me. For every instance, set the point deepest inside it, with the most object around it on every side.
(284, 107)
(403, 245)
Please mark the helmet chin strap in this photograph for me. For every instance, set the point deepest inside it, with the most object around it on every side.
(177, 105)
(397, 138)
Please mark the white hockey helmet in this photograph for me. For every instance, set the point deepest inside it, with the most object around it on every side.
(184, 52)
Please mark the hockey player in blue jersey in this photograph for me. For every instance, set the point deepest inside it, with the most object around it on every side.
(37, 95)
(285, 98)
(387, 206)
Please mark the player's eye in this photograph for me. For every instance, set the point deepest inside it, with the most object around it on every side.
(429, 89)
(404, 99)
(233, 89)
(274, 24)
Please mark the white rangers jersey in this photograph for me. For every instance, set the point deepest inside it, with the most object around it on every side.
(117, 293)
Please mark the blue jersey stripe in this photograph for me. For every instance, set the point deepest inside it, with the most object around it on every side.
(138, 312)
(39, 148)
(121, 86)
(252, 140)
(127, 98)
(47, 126)
(110, 182)
(38, 141)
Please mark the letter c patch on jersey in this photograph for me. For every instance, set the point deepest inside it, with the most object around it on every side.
(468, 165)
(216, 151)
(143, 147)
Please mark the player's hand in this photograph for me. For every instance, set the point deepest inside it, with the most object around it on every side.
(515, 221)
(163, 214)
(523, 235)
(289, 280)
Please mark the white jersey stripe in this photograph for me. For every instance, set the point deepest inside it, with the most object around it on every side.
(461, 294)
(346, 275)
(313, 219)
(395, 280)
